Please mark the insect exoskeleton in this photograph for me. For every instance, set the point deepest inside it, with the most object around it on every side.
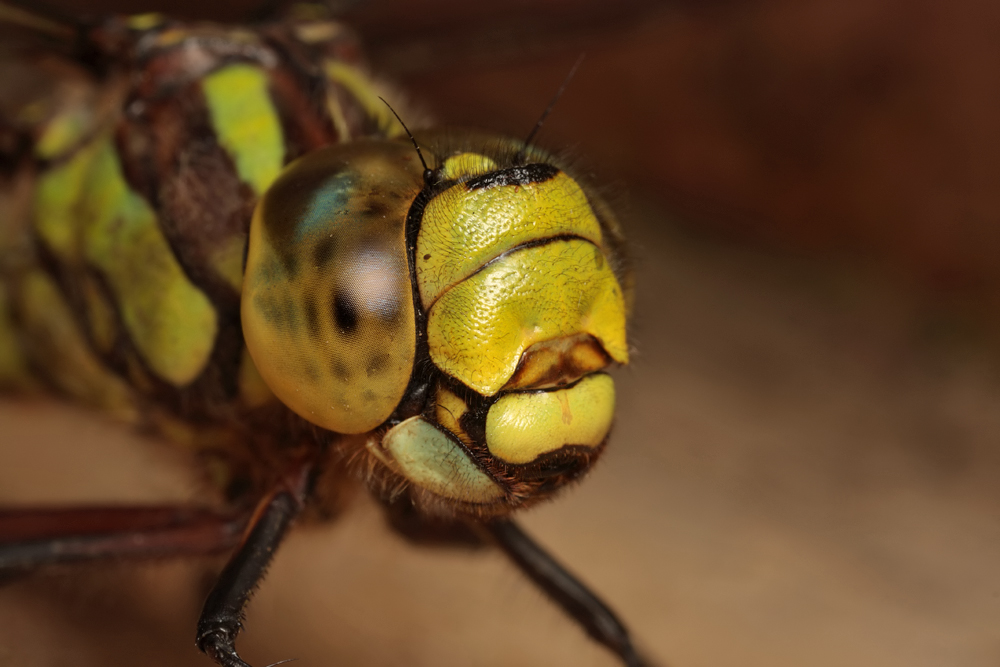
(462, 317)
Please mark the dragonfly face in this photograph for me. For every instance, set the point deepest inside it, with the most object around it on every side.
(463, 320)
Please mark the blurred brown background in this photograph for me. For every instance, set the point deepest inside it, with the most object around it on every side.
(805, 465)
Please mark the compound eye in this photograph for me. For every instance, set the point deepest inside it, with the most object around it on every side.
(327, 303)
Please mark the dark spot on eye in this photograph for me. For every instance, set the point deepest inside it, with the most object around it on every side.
(345, 313)
(324, 251)
(377, 363)
(427, 257)
(291, 264)
(277, 312)
(291, 316)
(267, 306)
(376, 208)
(369, 396)
(312, 373)
(340, 369)
(312, 316)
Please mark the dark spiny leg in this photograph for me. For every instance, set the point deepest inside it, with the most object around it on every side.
(222, 616)
(575, 599)
(32, 537)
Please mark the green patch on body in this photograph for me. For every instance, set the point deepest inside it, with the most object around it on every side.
(361, 87)
(246, 122)
(85, 211)
(228, 261)
(57, 200)
(56, 344)
(64, 131)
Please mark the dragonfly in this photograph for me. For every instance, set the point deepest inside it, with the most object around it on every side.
(227, 236)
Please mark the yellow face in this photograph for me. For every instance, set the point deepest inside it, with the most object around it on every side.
(464, 322)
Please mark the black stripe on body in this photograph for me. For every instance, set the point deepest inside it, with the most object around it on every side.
(521, 175)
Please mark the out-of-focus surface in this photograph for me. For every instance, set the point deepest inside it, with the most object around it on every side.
(834, 126)
(804, 466)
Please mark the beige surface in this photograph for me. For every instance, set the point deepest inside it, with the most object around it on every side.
(803, 473)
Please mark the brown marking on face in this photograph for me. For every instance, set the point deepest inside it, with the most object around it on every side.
(557, 362)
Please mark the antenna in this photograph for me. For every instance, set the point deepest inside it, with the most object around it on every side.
(548, 109)
(41, 18)
(428, 173)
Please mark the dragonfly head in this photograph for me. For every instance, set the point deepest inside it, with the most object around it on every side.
(463, 321)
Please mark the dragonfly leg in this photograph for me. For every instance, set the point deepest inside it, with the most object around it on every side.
(566, 590)
(33, 537)
(222, 616)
